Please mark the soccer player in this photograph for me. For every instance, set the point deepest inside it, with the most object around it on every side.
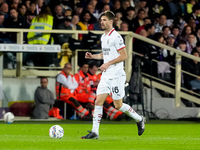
(113, 76)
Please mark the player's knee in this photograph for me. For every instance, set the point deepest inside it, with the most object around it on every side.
(99, 103)
(118, 105)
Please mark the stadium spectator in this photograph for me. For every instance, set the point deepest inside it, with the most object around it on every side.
(14, 4)
(116, 6)
(124, 6)
(139, 20)
(147, 20)
(190, 44)
(66, 4)
(62, 38)
(29, 18)
(27, 3)
(124, 26)
(190, 82)
(190, 5)
(78, 9)
(92, 10)
(68, 12)
(118, 20)
(33, 8)
(170, 40)
(66, 86)
(194, 15)
(198, 34)
(43, 100)
(105, 7)
(182, 8)
(86, 22)
(96, 10)
(150, 29)
(22, 10)
(58, 17)
(197, 48)
(74, 23)
(14, 21)
(192, 24)
(182, 45)
(161, 23)
(97, 25)
(39, 4)
(3, 35)
(175, 31)
(105, 2)
(172, 8)
(129, 18)
(4, 9)
(142, 47)
(166, 32)
(142, 4)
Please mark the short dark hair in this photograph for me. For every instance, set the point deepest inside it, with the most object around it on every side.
(165, 28)
(147, 18)
(157, 36)
(83, 63)
(140, 10)
(148, 26)
(109, 14)
(92, 64)
(182, 42)
(175, 27)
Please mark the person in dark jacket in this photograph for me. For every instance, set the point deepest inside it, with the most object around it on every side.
(43, 100)
(14, 21)
(193, 67)
(64, 37)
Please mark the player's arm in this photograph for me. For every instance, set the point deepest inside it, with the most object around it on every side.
(89, 55)
(121, 57)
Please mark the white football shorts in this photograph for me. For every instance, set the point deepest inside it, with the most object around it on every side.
(114, 87)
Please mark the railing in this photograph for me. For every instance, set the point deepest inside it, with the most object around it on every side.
(129, 45)
(19, 72)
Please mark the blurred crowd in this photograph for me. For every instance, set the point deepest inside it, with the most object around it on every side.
(174, 23)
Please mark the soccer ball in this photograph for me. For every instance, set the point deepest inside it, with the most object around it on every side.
(56, 132)
(8, 117)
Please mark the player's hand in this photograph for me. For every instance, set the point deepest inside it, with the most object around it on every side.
(88, 55)
(104, 67)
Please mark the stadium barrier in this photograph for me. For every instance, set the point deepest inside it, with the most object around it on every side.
(128, 68)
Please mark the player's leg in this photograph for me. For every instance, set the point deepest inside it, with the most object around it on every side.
(112, 112)
(117, 95)
(98, 112)
(128, 110)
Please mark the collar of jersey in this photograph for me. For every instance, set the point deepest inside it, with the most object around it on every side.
(110, 32)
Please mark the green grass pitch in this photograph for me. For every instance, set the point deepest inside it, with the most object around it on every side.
(159, 135)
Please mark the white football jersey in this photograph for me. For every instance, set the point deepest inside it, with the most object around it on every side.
(111, 44)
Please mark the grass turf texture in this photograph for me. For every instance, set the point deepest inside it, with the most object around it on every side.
(121, 135)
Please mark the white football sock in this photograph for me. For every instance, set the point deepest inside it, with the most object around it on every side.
(98, 111)
(128, 110)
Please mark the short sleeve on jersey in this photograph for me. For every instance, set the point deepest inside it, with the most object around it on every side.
(119, 43)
